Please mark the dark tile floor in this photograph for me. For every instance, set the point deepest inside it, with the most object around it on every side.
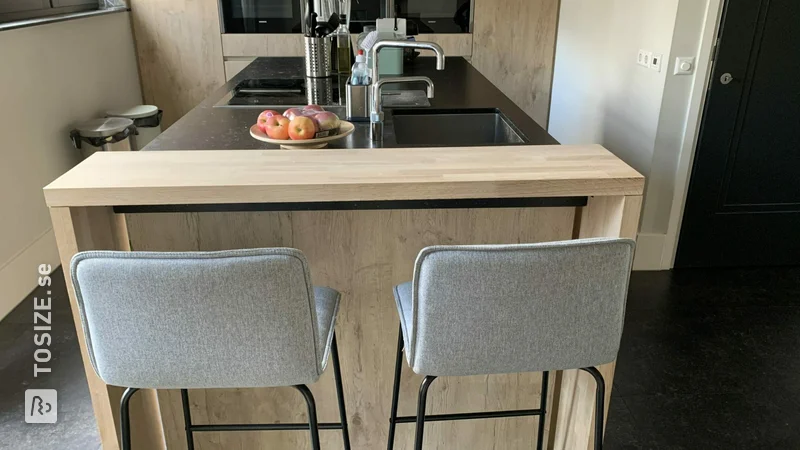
(76, 427)
(710, 359)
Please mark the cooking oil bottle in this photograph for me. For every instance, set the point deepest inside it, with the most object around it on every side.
(341, 39)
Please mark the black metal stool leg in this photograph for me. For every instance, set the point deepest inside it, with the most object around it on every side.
(396, 388)
(543, 408)
(423, 398)
(337, 375)
(125, 418)
(313, 426)
(187, 419)
(600, 397)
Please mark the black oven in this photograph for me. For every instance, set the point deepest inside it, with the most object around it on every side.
(435, 16)
(262, 16)
(285, 16)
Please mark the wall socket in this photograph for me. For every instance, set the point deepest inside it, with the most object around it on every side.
(646, 58)
(643, 58)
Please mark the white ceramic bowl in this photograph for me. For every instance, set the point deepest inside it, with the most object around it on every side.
(345, 129)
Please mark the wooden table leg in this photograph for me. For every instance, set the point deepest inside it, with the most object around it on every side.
(98, 228)
(616, 216)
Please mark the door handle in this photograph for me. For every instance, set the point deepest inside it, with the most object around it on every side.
(726, 78)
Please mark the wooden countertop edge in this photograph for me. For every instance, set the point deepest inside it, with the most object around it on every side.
(299, 194)
(247, 176)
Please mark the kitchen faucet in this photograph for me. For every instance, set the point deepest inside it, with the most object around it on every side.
(376, 109)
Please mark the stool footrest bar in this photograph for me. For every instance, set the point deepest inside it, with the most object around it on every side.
(473, 415)
(263, 427)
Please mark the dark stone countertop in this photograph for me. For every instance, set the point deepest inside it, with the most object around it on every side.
(459, 86)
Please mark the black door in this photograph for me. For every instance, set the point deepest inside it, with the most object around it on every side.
(743, 204)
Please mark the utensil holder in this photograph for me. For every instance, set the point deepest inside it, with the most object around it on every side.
(318, 56)
(357, 102)
(319, 91)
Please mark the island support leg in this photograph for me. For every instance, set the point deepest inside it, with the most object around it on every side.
(98, 228)
(573, 427)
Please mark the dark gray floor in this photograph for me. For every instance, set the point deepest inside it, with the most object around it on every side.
(710, 359)
(76, 427)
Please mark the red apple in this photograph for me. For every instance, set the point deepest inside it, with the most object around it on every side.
(291, 113)
(277, 127)
(313, 108)
(311, 114)
(302, 128)
(327, 120)
(262, 118)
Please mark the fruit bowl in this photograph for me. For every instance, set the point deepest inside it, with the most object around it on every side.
(345, 129)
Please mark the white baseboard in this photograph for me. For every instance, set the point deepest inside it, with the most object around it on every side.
(19, 276)
(649, 250)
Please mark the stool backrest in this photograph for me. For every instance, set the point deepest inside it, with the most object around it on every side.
(240, 318)
(483, 309)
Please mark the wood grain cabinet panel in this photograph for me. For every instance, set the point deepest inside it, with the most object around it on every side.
(179, 51)
(252, 45)
(233, 67)
(457, 44)
(514, 47)
(262, 45)
(363, 254)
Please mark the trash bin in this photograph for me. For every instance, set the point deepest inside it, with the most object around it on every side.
(109, 134)
(147, 119)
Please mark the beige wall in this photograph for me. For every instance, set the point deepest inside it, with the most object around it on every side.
(52, 76)
(600, 94)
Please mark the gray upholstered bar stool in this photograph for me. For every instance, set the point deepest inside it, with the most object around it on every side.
(232, 319)
(492, 309)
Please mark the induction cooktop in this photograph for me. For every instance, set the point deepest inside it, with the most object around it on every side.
(296, 91)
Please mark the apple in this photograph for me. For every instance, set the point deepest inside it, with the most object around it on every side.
(302, 128)
(313, 108)
(262, 118)
(277, 127)
(291, 113)
(312, 115)
(327, 120)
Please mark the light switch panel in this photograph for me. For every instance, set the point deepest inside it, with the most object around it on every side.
(684, 65)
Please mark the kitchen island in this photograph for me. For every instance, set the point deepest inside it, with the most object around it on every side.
(361, 216)
(213, 125)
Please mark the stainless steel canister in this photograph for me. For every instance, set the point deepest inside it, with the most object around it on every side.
(319, 91)
(357, 102)
(318, 56)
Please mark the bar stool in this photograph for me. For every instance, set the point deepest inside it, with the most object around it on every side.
(493, 309)
(231, 319)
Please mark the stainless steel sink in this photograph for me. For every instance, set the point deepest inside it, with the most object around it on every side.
(404, 99)
(456, 128)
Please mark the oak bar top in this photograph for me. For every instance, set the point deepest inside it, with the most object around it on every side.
(253, 176)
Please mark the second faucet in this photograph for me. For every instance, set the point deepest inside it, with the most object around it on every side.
(376, 109)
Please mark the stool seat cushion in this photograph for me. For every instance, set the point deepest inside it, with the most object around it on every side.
(491, 309)
(230, 319)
